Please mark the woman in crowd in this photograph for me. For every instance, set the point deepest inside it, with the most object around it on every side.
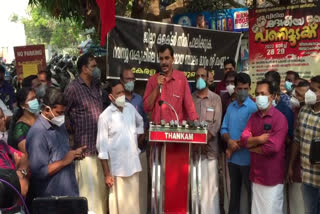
(23, 119)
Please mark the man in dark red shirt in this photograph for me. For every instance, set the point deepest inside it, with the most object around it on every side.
(171, 86)
(229, 65)
(265, 136)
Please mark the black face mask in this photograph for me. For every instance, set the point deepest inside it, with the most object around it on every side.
(212, 87)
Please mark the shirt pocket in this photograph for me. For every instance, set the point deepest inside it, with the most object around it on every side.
(175, 100)
(210, 113)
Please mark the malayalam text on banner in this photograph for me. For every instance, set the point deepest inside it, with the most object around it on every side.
(283, 39)
(135, 42)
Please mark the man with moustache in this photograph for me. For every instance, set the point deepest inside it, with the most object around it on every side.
(119, 128)
(234, 122)
(84, 105)
(128, 80)
(265, 136)
(171, 86)
(229, 65)
(208, 106)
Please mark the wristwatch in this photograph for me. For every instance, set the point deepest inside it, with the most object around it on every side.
(24, 172)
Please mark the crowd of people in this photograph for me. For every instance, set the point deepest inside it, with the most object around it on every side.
(68, 143)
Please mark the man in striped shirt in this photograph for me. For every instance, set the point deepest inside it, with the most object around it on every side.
(308, 130)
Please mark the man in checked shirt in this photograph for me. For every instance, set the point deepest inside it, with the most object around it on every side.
(84, 105)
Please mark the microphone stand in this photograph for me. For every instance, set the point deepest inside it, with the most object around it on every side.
(164, 102)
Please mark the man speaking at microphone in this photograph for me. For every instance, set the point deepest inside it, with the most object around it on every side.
(171, 86)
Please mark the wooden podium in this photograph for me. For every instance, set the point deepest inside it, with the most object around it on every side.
(176, 168)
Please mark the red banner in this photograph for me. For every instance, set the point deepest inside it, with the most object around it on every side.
(283, 39)
(30, 59)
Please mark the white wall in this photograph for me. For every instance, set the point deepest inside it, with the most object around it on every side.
(12, 34)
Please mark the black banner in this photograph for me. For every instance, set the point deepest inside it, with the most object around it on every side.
(135, 42)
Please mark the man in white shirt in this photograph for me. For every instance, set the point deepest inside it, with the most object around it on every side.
(118, 129)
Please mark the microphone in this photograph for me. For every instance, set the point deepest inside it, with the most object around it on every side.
(161, 73)
(164, 102)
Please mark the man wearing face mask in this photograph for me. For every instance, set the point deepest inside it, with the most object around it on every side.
(288, 113)
(234, 122)
(229, 96)
(307, 134)
(208, 106)
(32, 81)
(275, 78)
(265, 136)
(291, 77)
(84, 105)
(51, 160)
(119, 128)
(229, 65)
(294, 172)
(128, 80)
(298, 98)
(210, 81)
(45, 82)
(285, 110)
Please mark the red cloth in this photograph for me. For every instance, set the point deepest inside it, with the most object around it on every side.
(6, 156)
(107, 16)
(221, 87)
(175, 91)
(268, 168)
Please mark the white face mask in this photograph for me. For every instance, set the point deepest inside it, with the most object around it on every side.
(120, 101)
(58, 121)
(310, 98)
(274, 103)
(230, 89)
(294, 102)
(262, 102)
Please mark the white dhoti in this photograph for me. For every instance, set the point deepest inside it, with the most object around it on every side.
(267, 199)
(143, 183)
(90, 178)
(124, 195)
(209, 187)
(295, 199)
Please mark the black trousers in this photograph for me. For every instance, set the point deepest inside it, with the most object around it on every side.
(238, 175)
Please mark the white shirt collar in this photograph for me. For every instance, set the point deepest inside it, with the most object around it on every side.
(114, 108)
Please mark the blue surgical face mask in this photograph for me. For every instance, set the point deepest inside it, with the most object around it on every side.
(129, 86)
(96, 73)
(34, 106)
(41, 90)
(201, 84)
(262, 102)
(288, 85)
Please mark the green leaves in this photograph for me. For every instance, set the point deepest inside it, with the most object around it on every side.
(41, 28)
